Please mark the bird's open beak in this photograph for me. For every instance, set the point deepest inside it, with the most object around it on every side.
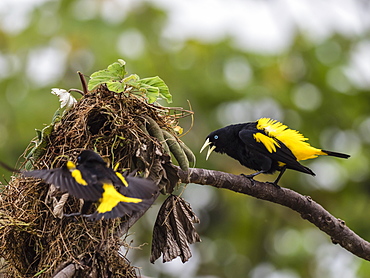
(210, 150)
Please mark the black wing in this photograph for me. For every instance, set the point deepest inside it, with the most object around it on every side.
(139, 188)
(62, 178)
(282, 154)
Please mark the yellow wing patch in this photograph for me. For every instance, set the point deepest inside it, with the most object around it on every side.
(71, 165)
(268, 142)
(294, 140)
(122, 178)
(111, 197)
(75, 173)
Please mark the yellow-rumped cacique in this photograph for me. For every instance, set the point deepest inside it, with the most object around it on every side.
(266, 146)
(91, 180)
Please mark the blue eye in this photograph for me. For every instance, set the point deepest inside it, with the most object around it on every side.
(215, 137)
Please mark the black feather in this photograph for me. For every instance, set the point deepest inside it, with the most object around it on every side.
(341, 155)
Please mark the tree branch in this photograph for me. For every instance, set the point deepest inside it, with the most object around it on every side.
(304, 205)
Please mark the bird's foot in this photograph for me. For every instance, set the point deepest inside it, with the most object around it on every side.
(72, 214)
(88, 216)
(274, 184)
(250, 177)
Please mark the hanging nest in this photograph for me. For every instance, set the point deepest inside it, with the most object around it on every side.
(126, 131)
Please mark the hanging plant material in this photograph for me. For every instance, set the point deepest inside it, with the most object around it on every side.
(174, 230)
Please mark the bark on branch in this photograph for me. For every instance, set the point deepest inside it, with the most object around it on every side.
(304, 205)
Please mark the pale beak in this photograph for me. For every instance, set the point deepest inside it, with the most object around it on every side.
(210, 150)
(206, 143)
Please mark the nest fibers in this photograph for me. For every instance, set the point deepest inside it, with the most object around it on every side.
(123, 129)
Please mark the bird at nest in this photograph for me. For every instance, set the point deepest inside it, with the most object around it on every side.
(266, 146)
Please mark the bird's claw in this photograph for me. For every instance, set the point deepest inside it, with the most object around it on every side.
(250, 177)
(72, 214)
(274, 184)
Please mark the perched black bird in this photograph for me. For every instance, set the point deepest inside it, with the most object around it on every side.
(266, 146)
(92, 181)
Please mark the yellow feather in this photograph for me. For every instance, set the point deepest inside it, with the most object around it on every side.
(116, 167)
(111, 197)
(122, 178)
(71, 165)
(268, 142)
(76, 174)
(294, 140)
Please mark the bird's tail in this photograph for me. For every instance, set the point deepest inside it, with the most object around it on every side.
(341, 155)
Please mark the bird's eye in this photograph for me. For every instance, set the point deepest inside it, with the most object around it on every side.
(215, 137)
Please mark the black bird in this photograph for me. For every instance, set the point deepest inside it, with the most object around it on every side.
(266, 146)
(92, 181)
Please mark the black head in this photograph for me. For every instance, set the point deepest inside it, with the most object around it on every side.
(217, 141)
(220, 140)
(89, 156)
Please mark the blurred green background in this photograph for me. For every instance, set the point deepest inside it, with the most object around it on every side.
(305, 63)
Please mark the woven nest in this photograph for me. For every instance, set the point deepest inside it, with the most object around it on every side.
(35, 241)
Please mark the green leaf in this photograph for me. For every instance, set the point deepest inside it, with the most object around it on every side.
(131, 79)
(156, 84)
(117, 70)
(38, 134)
(152, 93)
(116, 86)
(41, 143)
(114, 77)
(57, 116)
(120, 86)
(46, 131)
(98, 78)
(114, 73)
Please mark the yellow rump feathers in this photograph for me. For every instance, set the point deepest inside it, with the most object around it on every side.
(294, 140)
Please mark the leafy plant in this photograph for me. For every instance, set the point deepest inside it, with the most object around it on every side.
(152, 88)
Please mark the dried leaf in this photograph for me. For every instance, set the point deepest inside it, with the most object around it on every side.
(174, 230)
(161, 170)
(58, 208)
